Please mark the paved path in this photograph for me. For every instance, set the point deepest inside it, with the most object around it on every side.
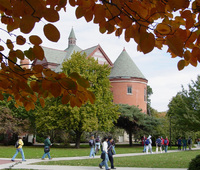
(6, 163)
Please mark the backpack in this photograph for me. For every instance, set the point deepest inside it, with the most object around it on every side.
(97, 140)
(147, 142)
(189, 141)
(165, 141)
(17, 144)
(90, 142)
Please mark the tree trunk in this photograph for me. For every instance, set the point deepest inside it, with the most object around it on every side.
(78, 139)
(130, 138)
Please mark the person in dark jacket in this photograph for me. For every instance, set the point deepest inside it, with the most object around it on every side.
(179, 142)
(110, 152)
(47, 144)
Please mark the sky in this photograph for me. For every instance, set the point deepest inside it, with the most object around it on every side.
(157, 66)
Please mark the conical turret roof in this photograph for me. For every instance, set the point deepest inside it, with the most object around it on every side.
(72, 34)
(124, 67)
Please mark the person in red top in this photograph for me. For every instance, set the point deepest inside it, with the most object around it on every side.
(166, 143)
(143, 143)
(162, 143)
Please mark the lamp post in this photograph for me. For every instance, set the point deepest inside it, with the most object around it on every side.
(170, 135)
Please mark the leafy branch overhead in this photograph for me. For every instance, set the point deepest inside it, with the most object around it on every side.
(151, 23)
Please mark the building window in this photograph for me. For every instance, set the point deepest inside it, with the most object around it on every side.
(129, 90)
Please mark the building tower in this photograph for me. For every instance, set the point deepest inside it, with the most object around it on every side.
(129, 86)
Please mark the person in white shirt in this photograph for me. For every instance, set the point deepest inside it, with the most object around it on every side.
(149, 145)
(105, 151)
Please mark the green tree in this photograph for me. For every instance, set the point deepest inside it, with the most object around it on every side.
(184, 108)
(149, 93)
(89, 117)
(133, 121)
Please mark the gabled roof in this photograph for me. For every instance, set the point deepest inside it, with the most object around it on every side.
(124, 67)
(69, 51)
(53, 55)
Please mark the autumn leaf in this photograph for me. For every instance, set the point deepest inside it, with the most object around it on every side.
(175, 45)
(163, 29)
(20, 40)
(42, 102)
(51, 15)
(181, 65)
(51, 32)
(27, 23)
(147, 42)
(34, 39)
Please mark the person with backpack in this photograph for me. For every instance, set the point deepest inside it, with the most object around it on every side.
(190, 143)
(158, 144)
(97, 145)
(18, 146)
(47, 144)
(92, 144)
(148, 143)
(166, 143)
(105, 153)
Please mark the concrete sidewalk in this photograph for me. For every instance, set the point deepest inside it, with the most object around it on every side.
(27, 165)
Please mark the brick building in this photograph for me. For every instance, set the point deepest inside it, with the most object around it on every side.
(129, 86)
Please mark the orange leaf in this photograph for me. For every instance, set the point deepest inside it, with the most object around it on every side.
(42, 102)
(30, 54)
(9, 99)
(6, 4)
(181, 65)
(20, 40)
(79, 12)
(1, 48)
(88, 15)
(118, 32)
(34, 39)
(65, 99)
(39, 52)
(55, 89)
(51, 15)
(72, 2)
(38, 68)
(163, 29)
(175, 44)
(19, 54)
(193, 61)
(9, 44)
(27, 23)
(83, 82)
(189, 23)
(147, 42)
(91, 97)
(175, 5)
(51, 32)
(187, 55)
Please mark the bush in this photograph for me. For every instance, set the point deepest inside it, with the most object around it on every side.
(195, 163)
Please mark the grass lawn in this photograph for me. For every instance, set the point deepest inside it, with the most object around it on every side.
(37, 152)
(165, 160)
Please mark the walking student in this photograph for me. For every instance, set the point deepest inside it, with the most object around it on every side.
(166, 143)
(92, 144)
(18, 146)
(110, 152)
(97, 145)
(158, 144)
(148, 143)
(47, 144)
(105, 151)
(179, 142)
